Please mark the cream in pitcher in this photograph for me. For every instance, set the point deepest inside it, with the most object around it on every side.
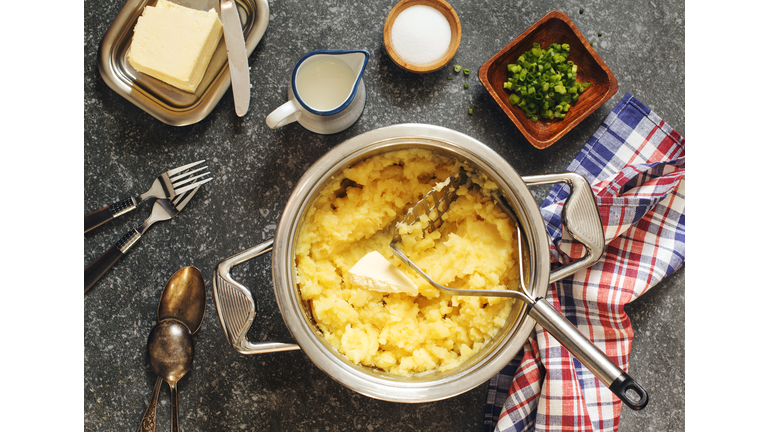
(327, 93)
(325, 83)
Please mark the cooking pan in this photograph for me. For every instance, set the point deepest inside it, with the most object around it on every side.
(237, 309)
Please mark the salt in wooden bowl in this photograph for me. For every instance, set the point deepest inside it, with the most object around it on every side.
(453, 20)
(555, 27)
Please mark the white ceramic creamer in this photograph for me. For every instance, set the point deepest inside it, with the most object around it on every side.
(327, 93)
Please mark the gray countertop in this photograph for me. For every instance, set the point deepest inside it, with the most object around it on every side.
(255, 169)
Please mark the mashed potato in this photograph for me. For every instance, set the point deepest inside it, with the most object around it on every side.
(395, 332)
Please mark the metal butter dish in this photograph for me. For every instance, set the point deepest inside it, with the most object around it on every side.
(163, 101)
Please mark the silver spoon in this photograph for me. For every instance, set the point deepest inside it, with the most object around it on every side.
(182, 299)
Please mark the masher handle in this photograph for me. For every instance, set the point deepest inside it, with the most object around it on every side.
(612, 376)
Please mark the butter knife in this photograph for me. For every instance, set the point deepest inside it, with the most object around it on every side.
(237, 56)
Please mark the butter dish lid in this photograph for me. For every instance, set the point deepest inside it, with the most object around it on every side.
(163, 101)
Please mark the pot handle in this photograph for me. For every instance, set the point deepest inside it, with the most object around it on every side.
(580, 218)
(236, 307)
(618, 381)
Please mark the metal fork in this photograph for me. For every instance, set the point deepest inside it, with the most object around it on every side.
(162, 210)
(167, 185)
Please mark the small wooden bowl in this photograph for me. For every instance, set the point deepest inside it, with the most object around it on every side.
(447, 12)
(555, 27)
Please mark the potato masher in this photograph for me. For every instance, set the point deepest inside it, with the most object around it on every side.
(435, 204)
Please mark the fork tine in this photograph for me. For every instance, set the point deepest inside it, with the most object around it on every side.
(188, 180)
(177, 198)
(192, 186)
(182, 168)
(174, 178)
(180, 206)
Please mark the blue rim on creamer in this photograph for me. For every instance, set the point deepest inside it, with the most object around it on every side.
(351, 95)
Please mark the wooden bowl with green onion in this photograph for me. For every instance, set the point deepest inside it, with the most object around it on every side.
(555, 27)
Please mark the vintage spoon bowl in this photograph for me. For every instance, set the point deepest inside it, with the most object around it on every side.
(183, 298)
(171, 351)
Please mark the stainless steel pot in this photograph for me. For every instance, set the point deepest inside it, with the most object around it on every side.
(237, 309)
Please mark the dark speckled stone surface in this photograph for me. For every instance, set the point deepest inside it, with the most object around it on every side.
(255, 170)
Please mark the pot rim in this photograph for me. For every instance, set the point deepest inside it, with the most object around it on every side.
(432, 386)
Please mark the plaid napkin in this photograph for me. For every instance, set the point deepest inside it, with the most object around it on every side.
(635, 163)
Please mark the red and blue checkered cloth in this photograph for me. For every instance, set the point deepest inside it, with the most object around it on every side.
(635, 163)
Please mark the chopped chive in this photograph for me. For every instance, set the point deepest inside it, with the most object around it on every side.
(456, 68)
(450, 77)
(466, 71)
(466, 85)
(543, 82)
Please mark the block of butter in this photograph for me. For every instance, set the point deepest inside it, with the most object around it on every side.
(175, 44)
(374, 272)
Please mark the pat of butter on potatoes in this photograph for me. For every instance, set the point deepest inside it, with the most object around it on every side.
(175, 44)
(374, 272)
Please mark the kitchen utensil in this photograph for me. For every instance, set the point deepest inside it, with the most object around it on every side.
(148, 421)
(453, 20)
(164, 102)
(236, 55)
(171, 351)
(555, 27)
(236, 308)
(162, 210)
(318, 78)
(437, 202)
(167, 185)
(182, 299)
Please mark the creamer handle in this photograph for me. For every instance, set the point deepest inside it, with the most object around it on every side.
(236, 307)
(284, 114)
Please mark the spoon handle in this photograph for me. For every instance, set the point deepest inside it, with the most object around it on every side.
(174, 408)
(148, 421)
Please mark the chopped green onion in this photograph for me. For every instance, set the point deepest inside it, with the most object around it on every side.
(543, 82)
(581, 10)
(450, 77)
(467, 85)
(456, 68)
(599, 34)
(466, 71)
(470, 111)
